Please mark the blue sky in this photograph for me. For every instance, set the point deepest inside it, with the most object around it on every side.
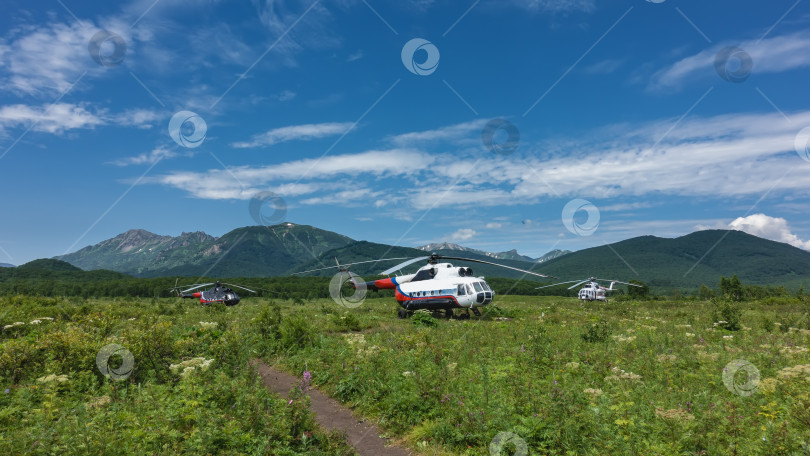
(634, 118)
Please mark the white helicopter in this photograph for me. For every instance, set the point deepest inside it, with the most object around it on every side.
(592, 291)
(435, 286)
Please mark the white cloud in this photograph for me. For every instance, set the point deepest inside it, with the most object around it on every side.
(621, 207)
(453, 133)
(55, 118)
(150, 158)
(773, 228)
(556, 5)
(729, 156)
(46, 59)
(464, 234)
(243, 182)
(771, 55)
(355, 56)
(494, 226)
(296, 132)
(60, 117)
(286, 95)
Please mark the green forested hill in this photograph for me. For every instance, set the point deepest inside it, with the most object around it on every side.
(253, 251)
(676, 263)
(683, 263)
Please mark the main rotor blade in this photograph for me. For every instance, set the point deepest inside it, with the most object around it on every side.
(351, 264)
(402, 265)
(619, 281)
(239, 286)
(496, 264)
(555, 284)
(578, 284)
(198, 286)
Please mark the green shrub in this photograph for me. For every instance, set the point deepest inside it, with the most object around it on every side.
(296, 331)
(423, 318)
(597, 332)
(727, 316)
(346, 322)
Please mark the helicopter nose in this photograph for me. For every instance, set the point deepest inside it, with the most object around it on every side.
(231, 299)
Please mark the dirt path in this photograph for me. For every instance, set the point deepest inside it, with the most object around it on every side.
(331, 414)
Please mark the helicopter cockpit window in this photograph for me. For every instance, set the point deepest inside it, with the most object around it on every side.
(486, 286)
(478, 286)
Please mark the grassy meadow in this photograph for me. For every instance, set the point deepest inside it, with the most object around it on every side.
(535, 375)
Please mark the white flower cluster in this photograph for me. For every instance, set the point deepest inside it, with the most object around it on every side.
(622, 375)
(208, 324)
(189, 366)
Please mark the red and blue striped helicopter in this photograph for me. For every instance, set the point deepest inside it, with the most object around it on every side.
(436, 286)
(220, 292)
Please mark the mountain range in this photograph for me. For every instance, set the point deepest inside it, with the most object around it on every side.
(510, 255)
(685, 262)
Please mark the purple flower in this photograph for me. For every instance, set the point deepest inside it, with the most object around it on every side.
(306, 381)
(7, 391)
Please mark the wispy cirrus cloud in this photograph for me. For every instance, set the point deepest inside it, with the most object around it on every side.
(729, 156)
(771, 55)
(304, 132)
(58, 118)
(298, 177)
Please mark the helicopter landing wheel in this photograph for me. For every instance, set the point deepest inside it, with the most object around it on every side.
(402, 313)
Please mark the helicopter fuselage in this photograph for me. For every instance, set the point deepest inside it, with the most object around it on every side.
(437, 286)
(216, 294)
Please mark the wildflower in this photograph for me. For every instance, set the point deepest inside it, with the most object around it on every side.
(407, 374)
(622, 375)
(573, 365)
(53, 378)
(100, 402)
(802, 370)
(794, 350)
(306, 381)
(452, 366)
(690, 335)
(768, 385)
(13, 325)
(7, 391)
(728, 337)
(593, 391)
(621, 338)
(666, 358)
(677, 414)
(208, 324)
(189, 366)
